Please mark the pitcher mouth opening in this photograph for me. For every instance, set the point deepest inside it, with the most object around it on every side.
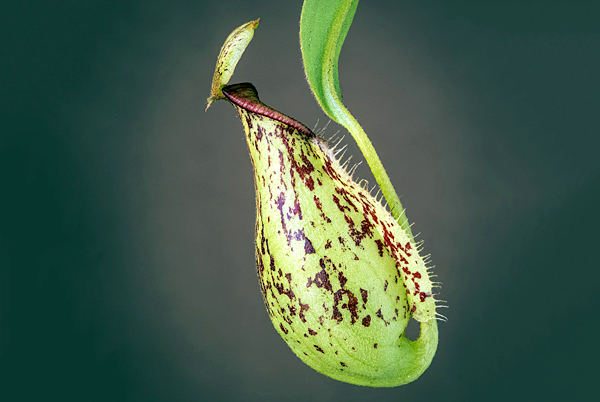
(245, 96)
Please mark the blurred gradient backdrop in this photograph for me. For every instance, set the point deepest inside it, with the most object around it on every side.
(126, 233)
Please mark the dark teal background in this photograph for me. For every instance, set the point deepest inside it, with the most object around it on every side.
(126, 228)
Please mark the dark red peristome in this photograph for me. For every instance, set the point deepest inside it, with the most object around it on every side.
(245, 96)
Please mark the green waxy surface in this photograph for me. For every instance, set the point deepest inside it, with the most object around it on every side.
(324, 25)
(339, 276)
